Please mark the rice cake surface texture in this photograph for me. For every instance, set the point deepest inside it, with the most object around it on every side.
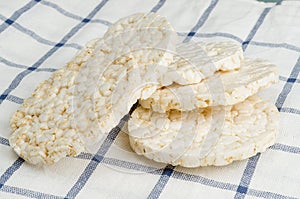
(177, 138)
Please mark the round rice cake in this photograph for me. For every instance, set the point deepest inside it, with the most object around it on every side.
(202, 137)
(223, 88)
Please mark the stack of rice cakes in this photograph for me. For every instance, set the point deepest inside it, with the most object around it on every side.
(215, 121)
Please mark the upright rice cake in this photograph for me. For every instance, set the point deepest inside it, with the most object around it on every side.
(42, 131)
(75, 104)
(210, 136)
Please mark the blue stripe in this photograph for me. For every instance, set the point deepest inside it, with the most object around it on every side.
(28, 193)
(267, 194)
(50, 70)
(221, 34)
(4, 141)
(10, 171)
(37, 37)
(247, 176)
(158, 5)
(256, 27)
(162, 182)
(286, 148)
(204, 181)
(12, 64)
(132, 166)
(16, 15)
(255, 43)
(288, 86)
(123, 164)
(85, 156)
(201, 21)
(15, 99)
(290, 110)
(221, 185)
(73, 16)
(274, 45)
(282, 78)
(23, 74)
(216, 34)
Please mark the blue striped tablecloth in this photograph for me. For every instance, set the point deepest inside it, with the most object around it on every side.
(38, 37)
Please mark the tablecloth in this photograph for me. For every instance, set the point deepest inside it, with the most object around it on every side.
(39, 36)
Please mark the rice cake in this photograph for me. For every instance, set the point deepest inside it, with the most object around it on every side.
(54, 122)
(178, 138)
